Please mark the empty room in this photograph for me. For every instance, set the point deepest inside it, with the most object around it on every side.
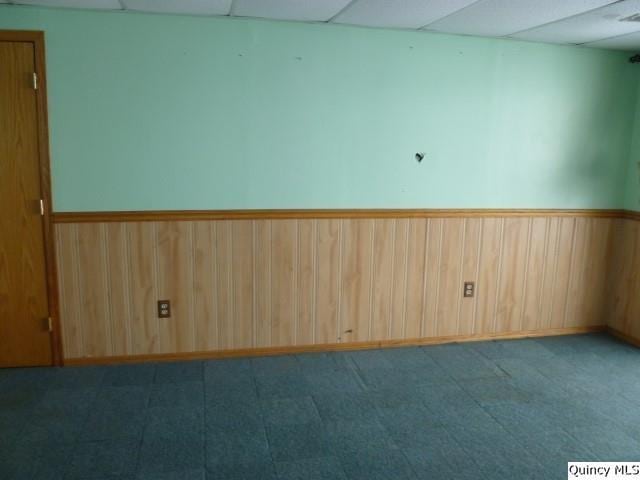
(319, 239)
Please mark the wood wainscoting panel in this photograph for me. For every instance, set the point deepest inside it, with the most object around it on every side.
(305, 287)
(117, 270)
(356, 275)
(470, 267)
(491, 240)
(328, 280)
(205, 306)
(66, 242)
(414, 293)
(533, 305)
(243, 284)
(94, 292)
(623, 308)
(284, 253)
(510, 294)
(383, 257)
(175, 266)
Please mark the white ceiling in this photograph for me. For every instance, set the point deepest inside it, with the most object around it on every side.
(594, 23)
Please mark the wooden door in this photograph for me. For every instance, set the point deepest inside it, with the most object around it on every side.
(24, 308)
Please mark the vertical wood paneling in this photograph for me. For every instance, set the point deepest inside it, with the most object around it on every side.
(382, 278)
(142, 282)
(119, 292)
(92, 279)
(586, 298)
(242, 273)
(306, 277)
(432, 265)
(246, 283)
(598, 261)
(580, 256)
(470, 264)
(532, 309)
(205, 286)
(623, 302)
(283, 296)
(175, 282)
(399, 279)
(355, 300)
(512, 273)
(488, 274)
(622, 270)
(562, 272)
(327, 282)
(224, 300)
(549, 271)
(449, 288)
(262, 273)
(415, 291)
(68, 264)
(631, 303)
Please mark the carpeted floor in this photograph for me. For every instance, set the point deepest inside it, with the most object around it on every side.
(491, 410)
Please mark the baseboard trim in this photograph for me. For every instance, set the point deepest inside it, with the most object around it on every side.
(330, 347)
(624, 336)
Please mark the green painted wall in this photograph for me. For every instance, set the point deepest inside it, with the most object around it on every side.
(632, 191)
(176, 112)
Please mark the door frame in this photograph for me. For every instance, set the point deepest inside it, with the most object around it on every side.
(37, 39)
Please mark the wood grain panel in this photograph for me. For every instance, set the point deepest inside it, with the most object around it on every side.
(398, 319)
(623, 274)
(355, 297)
(92, 279)
(284, 243)
(586, 295)
(118, 290)
(632, 305)
(68, 266)
(449, 276)
(237, 285)
(515, 247)
(224, 282)
(532, 297)
(488, 274)
(432, 266)
(562, 271)
(242, 272)
(306, 277)
(601, 233)
(262, 274)
(470, 266)
(549, 271)
(175, 282)
(205, 279)
(328, 275)
(382, 278)
(415, 283)
(142, 281)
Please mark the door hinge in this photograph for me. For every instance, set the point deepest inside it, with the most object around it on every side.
(35, 81)
(42, 207)
(49, 324)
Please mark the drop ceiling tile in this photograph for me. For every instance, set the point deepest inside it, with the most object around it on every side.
(588, 27)
(92, 4)
(495, 18)
(192, 7)
(629, 42)
(304, 10)
(398, 13)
